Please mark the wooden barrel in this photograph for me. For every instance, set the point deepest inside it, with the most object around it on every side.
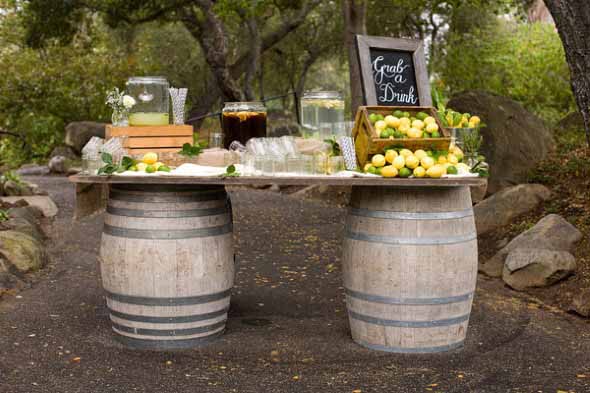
(167, 264)
(410, 267)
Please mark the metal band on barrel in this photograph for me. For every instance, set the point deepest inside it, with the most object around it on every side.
(168, 301)
(385, 348)
(163, 198)
(180, 319)
(453, 215)
(166, 234)
(119, 211)
(169, 188)
(169, 332)
(161, 345)
(408, 324)
(408, 301)
(421, 241)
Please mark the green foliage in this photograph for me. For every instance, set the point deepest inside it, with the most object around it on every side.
(195, 149)
(4, 215)
(523, 61)
(231, 171)
(10, 176)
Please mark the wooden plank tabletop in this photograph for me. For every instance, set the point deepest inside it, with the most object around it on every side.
(283, 181)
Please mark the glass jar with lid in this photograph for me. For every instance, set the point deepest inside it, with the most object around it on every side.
(151, 97)
(321, 110)
(242, 121)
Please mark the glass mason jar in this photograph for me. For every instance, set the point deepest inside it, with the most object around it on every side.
(321, 109)
(152, 98)
(242, 121)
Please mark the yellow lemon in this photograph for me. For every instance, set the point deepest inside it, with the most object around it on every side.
(442, 159)
(419, 124)
(404, 121)
(412, 161)
(399, 162)
(427, 162)
(367, 166)
(378, 160)
(390, 155)
(452, 159)
(392, 121)
(150, 158)
(380, 125)
(435, 171)
(414, 133)
(420, 154)
(405, 152)
(429, 120)
(432, 127)
(475, 120)
(403, 128)
(419, 171)
(389, 171)
(141, 166)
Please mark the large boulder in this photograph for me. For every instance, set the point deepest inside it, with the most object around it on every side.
(21, 251)
(65, 151)
(532, 267)
(42, 202)
(58, 164)
(501, 208)
(581, 303)
(514, 140)
(14, 188)
(552, 232)
(79, 133)
(32, 170)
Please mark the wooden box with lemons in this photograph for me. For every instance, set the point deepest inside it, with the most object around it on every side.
(412, 128)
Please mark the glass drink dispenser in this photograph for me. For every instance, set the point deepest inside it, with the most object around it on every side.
(151, 101)
(320, 111)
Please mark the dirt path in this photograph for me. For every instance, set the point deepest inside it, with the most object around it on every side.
(55, 337)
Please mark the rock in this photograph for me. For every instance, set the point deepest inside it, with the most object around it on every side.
(514, 140)
(26, 220)
(478, 193)
(64, 151)
(9, 283)
(21, 251)
(532, 267)
(13, 188)
(79, 133)
(58, 164)
(502, 207)
(43, 202)
(73, 170)
(32, 170)
(552, 232)
(581, 303)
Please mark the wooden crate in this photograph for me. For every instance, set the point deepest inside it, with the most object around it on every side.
(156, 139)
(367, 142)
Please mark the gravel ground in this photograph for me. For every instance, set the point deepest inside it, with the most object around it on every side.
(287, 329)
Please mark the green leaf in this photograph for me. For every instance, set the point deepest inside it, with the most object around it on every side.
(107, 158)
(127, 162)
(230, 169)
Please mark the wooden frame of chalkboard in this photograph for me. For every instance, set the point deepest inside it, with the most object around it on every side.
(406, 83)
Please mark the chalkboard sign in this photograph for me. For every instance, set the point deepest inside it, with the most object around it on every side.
(393, 71)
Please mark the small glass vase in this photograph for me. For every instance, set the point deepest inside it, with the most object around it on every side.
(120, 118)
(470, 158)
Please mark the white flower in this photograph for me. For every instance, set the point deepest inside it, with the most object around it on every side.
(128, 101)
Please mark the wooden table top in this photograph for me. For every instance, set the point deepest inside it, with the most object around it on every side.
(283, 181)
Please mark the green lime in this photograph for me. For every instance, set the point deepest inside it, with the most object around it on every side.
(373, 118)
(380, 117)
(429, 153)
(452, 170)
(398, 135)
(406, 114)
(133, 168)
(378, 171)
(150, 169)
(421, 116)
(164, 168)
(398, 113)
(435, 134)
(384, 134)
(372, 170)
(404, 172)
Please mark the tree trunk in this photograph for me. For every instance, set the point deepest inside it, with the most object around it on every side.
(572, 18)
(355, 16)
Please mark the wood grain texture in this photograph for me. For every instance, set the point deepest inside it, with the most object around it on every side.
(410, 267)
(167, 264)
(157, 142)
(294, 181)
(136, 131)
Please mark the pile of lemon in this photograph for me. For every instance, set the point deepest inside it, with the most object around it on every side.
(150, 164)
(420, 163)
(402, 125)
